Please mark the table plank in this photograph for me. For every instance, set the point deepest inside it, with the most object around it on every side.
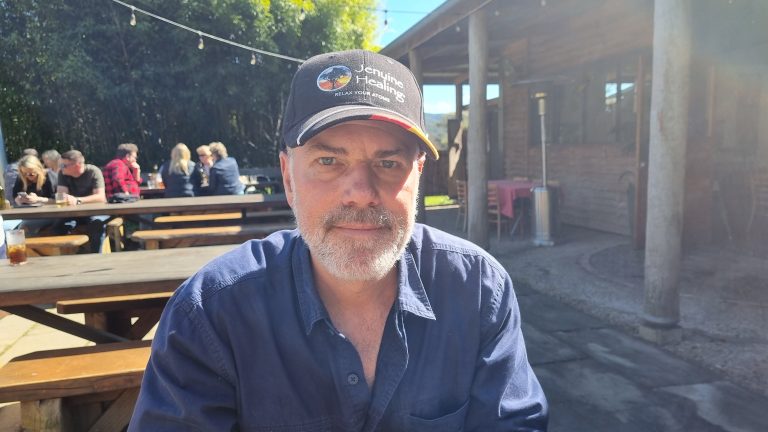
(50, 279)
(220, 203)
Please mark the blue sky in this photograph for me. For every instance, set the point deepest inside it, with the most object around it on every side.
(403, 14)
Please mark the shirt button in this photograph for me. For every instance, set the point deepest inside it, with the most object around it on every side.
(353, 379)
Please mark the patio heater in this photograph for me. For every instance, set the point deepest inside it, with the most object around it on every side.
(541, 199)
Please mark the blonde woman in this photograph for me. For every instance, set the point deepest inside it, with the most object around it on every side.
(177, 174)
(34, 184)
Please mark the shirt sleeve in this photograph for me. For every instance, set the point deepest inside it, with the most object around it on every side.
(187, 385)
(18, 185)
(213, 180)
(98, 180)
(505, 395)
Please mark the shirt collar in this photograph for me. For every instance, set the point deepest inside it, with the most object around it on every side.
(411, 295)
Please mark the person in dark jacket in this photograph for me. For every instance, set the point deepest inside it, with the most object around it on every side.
(37, 183)
(177, 173)
(225, 174)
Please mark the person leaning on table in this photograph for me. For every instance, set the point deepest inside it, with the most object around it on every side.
(361, 319)
(35, 185)
(83, 183)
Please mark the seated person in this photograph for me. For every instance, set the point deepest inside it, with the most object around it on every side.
(83, 183)
(34, 184)
(123, 174)
(202, 170)
(12, 173)
(225, 174)
(177, 174)
(51, 159)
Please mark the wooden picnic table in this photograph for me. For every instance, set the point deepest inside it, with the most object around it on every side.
(218, 203)
(47, 280)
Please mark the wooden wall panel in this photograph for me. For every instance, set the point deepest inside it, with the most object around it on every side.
(590, 176)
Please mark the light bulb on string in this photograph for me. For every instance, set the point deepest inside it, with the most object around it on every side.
(386, 21)
(303, 12)
(133, 17)
(253, 58)
(200, 43)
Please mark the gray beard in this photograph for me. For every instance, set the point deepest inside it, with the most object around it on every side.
(352, 259)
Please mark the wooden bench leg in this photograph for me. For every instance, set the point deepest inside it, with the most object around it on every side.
(117, 416)
(44, 416)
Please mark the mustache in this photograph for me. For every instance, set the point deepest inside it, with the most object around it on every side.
(369, 216)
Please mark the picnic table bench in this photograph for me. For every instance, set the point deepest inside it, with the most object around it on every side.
(185, 237)
(90, 388)
(55, 245)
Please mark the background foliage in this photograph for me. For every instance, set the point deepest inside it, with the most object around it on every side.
(75, 74)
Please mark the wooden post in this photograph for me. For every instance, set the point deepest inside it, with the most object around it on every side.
(666, 171)
(477, 142)
(414, 60)
(459, 99)
(641, 157)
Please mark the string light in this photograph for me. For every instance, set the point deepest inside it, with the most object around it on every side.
(253, 58)
(201, 34)
(386, 21)
(133, 16)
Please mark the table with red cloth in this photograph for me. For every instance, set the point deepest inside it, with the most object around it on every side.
(510, 190)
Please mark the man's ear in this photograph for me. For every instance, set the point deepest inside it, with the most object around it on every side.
(285, 170)
(420, 162)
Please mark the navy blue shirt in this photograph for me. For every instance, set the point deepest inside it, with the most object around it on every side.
(224, 178)
(246, 344)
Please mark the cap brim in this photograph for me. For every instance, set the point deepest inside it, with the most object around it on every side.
(340, 114)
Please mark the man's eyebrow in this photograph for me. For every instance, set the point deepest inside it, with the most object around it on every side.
(389, 153)
(322, 147)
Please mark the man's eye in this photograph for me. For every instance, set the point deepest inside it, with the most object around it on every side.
(388, 164)
(327, 160)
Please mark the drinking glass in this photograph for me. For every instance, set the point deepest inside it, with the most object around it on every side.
(16, 247)
(61, 199)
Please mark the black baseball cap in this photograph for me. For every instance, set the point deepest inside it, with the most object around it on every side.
(336, 87)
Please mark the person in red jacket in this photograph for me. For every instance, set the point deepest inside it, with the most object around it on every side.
(123, 173)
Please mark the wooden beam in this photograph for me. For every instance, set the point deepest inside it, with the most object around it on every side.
(446, 16)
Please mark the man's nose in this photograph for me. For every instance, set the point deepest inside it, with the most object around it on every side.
(360, 186)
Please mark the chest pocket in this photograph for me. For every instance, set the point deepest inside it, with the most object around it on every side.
(451, 422)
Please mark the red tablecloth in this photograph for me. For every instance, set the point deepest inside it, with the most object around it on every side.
(508, 191)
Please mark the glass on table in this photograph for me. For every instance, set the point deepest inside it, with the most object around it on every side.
(16, 246)
(61, 199)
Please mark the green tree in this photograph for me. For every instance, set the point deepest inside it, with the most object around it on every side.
(76, 74)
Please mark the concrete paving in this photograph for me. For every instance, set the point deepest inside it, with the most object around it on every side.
(598, 376)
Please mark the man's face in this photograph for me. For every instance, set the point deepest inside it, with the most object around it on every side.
(205, 158)
(132, 157)
(353, 188)
(71, 168)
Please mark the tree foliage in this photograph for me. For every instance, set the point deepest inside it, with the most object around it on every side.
(76, 74)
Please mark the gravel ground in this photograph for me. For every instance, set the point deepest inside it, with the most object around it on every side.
(723, 296)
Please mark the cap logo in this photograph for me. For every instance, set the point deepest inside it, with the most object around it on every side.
(334, 78)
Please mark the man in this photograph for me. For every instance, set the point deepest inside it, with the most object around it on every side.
(123, 174)
(361, 320)
(51, 159)
(224, 175)
(202, 170)
(83, 183)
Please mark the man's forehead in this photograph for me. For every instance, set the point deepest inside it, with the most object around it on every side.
(401, 140)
